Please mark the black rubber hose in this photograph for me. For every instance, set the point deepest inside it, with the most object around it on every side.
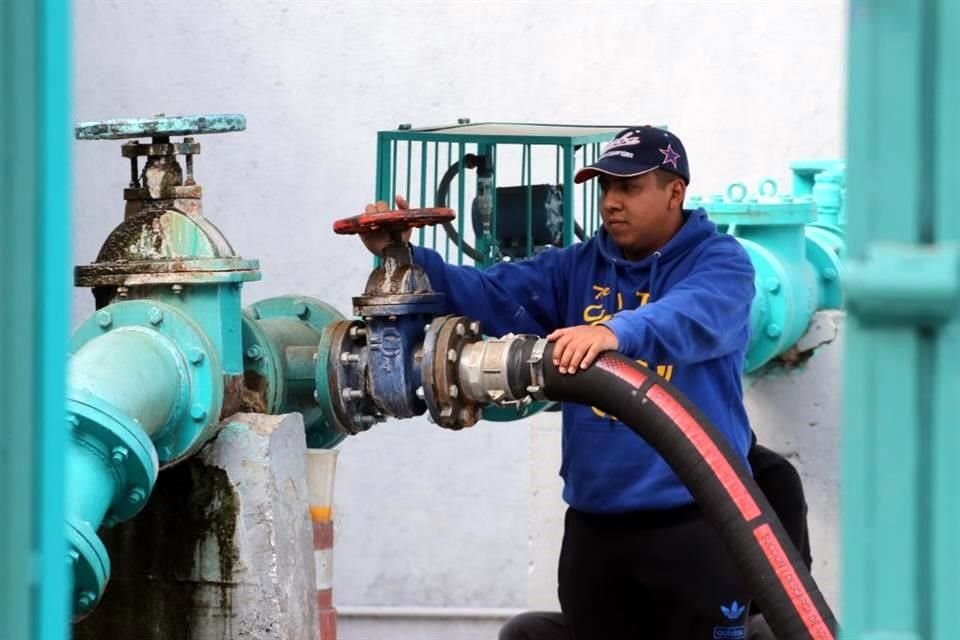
(440, 200)
(720, 483)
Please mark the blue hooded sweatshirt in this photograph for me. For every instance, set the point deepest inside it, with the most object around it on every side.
(684, 311)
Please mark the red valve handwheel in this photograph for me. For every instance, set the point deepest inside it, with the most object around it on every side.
(395, 220)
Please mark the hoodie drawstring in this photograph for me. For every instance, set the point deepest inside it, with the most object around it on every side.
(653, 273)
(615, 283)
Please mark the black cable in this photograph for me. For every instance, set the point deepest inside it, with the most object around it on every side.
(443, 189)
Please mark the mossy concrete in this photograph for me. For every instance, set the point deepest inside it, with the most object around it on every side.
(223, 550)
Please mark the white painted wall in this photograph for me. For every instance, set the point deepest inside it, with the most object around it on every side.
(797, 412)
(427, 517)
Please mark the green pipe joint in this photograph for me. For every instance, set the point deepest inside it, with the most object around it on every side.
(280, 340)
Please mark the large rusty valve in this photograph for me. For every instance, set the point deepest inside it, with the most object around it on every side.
(372, 367)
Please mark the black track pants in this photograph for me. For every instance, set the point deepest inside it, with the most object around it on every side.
(649, 575)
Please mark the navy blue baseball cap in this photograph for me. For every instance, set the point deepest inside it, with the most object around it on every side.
(639, 150)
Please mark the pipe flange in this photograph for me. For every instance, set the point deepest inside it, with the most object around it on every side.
(444, 340)
(199, 415)
(89, 561)
(132, 273)
(342, 386)
(399, 304)
(824, 248)
(261, 357)
(262, 369)
(122, 445)
(774, 309)
(130, 459)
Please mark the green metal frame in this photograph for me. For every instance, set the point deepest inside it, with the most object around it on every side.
(487, 136)
(34, 259)
(901, 511)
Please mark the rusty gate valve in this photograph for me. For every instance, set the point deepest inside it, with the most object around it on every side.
(164, 238)
(397, 287)
(372, 369)
(162, 176)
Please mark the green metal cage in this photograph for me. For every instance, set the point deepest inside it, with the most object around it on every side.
(511, 185)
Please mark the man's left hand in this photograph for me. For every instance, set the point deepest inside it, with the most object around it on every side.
(577, 347)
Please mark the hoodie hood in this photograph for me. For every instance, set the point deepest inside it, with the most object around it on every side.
(696, 228)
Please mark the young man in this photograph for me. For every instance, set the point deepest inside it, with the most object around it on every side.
(662, 286)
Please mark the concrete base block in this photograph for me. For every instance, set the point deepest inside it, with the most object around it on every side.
(223, 549)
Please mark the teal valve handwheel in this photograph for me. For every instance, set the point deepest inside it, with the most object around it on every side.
(160, 125)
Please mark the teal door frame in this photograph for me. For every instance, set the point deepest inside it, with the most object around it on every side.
(901, 510)
(34, 279)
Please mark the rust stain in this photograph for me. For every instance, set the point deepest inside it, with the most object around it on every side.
(253, 393)
(234, 396)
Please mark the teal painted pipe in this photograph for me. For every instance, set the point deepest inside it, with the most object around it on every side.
(143, 378)
(215, 308)
(136, 370)
(280, 340)
(123, 387)
(797, 254)
(169, 352)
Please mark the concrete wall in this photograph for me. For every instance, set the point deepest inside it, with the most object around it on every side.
(223, 549)
(426, 517)
(796, 411)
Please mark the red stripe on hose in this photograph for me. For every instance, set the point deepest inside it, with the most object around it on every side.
(788, 577)
(708, 451)
(622, 370)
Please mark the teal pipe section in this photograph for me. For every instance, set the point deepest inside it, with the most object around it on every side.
(199, 385)
(136, 370)
(35, 43)
(280, 340)
(112, 466)
(797, 255)
(143, 378)
(216, 310)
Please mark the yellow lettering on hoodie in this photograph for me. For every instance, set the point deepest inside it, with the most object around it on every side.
(596, 314)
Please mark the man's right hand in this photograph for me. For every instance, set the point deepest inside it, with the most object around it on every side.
(375, 241)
